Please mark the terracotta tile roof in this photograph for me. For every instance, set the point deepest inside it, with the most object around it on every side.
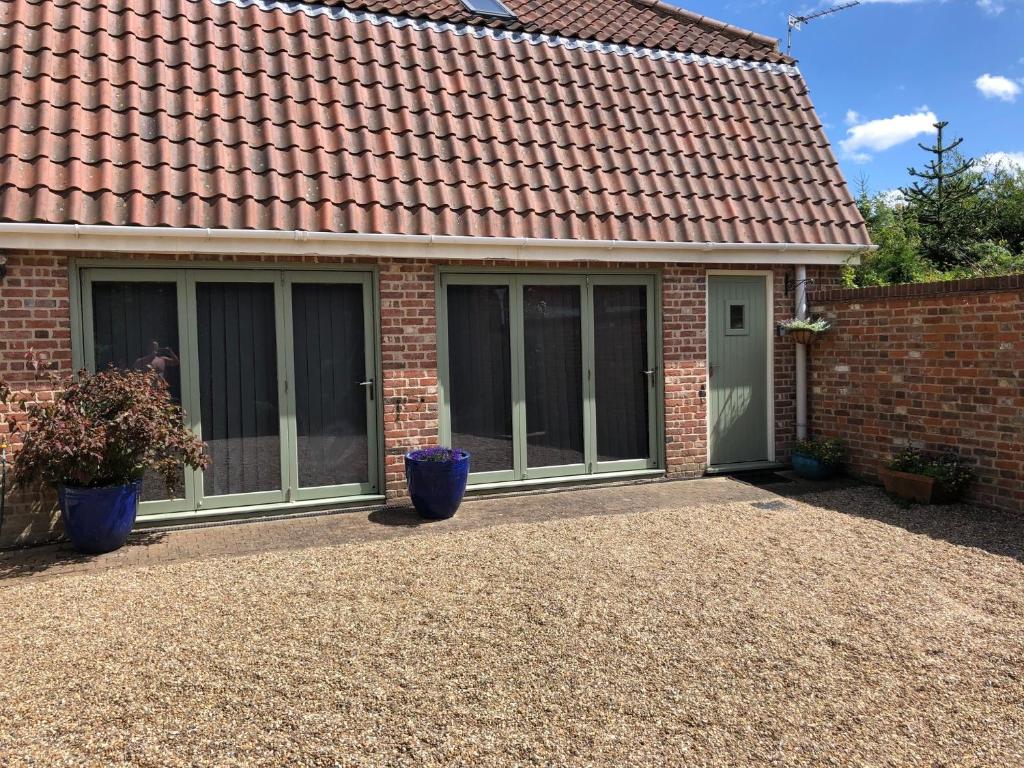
(647, 23)
(222, 113)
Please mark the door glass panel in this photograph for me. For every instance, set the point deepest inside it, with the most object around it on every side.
(135, 326)
(330, 403)
(480, 374)
(238, 386)
(554, 375)
(620, 359)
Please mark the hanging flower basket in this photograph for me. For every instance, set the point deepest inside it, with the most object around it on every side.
(802, 336)
(804, 331)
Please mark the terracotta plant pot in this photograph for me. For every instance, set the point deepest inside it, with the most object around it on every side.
(803, 336)
(906, 485)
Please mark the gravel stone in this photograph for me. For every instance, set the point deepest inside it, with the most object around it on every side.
(834, 630)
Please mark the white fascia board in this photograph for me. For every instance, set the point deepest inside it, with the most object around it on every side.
(251, 242)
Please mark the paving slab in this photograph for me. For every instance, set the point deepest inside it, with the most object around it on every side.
(168, 544)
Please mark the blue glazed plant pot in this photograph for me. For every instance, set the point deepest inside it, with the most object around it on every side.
(98, 520)
(810, 468)
(436, 487)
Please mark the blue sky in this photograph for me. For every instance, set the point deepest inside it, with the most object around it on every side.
(876, 72)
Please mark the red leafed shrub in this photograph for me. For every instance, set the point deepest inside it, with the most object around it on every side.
(101, 429)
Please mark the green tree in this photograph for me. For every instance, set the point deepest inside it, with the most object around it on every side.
(946, 203)
(1003, 208)
(894, 230)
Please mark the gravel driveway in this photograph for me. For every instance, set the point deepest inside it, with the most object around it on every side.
(828, 630)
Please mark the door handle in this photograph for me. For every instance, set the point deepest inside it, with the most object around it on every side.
(711, 370)
(368, 383)
(649, 373)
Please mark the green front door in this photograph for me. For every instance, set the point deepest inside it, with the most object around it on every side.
(738, 369)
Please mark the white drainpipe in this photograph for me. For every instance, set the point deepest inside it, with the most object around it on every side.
(801, 356)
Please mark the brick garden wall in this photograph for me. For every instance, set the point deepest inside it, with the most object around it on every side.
(36, 315)
(938, 366)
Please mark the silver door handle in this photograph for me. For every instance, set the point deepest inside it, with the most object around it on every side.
(368, 383)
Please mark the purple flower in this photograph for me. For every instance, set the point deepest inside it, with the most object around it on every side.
(437, 453)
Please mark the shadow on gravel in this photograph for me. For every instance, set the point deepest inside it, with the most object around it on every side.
(400, 517)
(37, 560)
(999, 533)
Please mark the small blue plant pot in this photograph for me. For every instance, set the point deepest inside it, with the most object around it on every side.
(98, 520)
(810, 468)
(437, 487)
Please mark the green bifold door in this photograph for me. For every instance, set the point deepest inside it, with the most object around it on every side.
(276, 370)
(548, 376)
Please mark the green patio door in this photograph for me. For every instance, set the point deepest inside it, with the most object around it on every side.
(276, 370)
(547, 376)
(738, 369)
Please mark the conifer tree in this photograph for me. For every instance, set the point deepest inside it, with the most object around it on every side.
(944, 202)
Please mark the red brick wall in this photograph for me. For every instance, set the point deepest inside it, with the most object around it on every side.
(939, 366)
(36, 314)
(684, 348)
(409, 356)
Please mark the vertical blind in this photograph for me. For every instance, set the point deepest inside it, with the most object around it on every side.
(554, 375)
(330, 404)
(620, 358)
(135, 327)
(480, 374)
(238, 386)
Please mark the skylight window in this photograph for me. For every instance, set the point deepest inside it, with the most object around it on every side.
(490, 8)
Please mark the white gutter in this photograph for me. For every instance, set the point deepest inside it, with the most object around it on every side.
(189, 240)
(801, 356)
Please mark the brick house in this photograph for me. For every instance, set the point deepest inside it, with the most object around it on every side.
(556, 234)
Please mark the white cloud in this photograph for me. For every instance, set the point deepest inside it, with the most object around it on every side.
(1005, 160)
(997, 87)
(991, 7)
(852, 117)
(879, 135)
(894, 198)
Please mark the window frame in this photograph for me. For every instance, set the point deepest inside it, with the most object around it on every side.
(195, 504)
(727, 325)
(87, 345)
(515, 280)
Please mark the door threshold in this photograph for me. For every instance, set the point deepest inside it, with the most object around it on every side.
(569, 481)
(261, 512)
(745, 466)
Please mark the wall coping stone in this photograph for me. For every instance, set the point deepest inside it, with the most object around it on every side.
(915, 290)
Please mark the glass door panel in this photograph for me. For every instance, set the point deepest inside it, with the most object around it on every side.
(624, 374)
(553, 377)
(549, 375)
(334, 386)
(238, 386)
(479, 341)
(135, 326)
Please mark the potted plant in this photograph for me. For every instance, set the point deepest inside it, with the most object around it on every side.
(818, 459)
(93, 441)
(914, 476)
(437, 480)
(804, 331)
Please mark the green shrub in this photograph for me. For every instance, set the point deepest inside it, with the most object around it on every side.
(952, 476)
(831, 453)
(99, 430)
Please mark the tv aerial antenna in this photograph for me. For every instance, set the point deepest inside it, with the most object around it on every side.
(797, 22)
